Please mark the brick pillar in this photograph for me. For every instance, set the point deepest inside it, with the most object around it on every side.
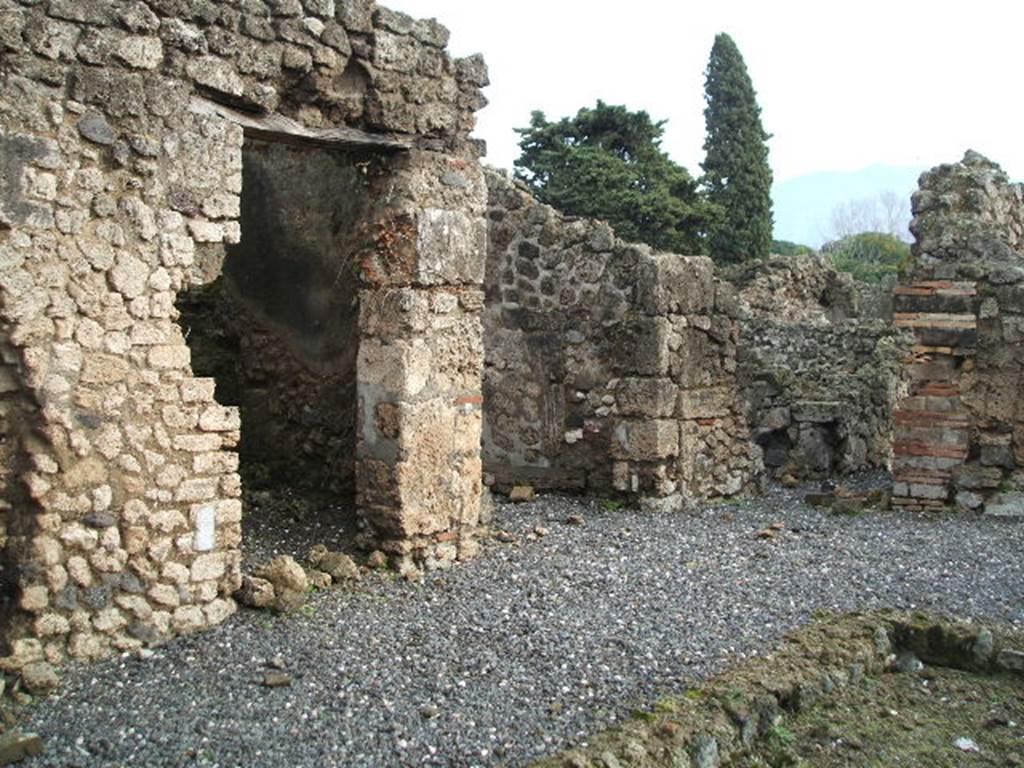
(931, 426)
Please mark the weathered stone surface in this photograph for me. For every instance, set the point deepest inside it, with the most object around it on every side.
(595, 351)
(959, 429)
(1006, 505)
(288, 580)
(121, 188)
(16, 745)
(39, 677)
(94, 127)
(255, 592)
(340, 566)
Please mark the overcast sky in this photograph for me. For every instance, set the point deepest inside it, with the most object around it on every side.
(841, 86)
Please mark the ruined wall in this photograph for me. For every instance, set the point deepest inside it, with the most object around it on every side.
(609, 368)
(960, 431)
(820, 381)
(795, 290)
(821, 397)
(122, 167)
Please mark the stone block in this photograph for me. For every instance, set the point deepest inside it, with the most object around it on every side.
(169, 356)
(1006, 505)
(451, 247)
(647, 440)
(668, 284)
(654, 397)
(100, 368)
(706, 403)
(641, 347)
(399, 370)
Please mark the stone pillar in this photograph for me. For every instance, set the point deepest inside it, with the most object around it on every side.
(420, 365)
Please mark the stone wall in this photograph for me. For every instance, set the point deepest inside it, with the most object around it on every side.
(609, 368)
(821, 397)
(960, 431)
(796, 290)
(121, 146)
(820, 381)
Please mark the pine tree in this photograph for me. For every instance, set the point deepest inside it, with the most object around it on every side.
(736, 171)
(607, 163)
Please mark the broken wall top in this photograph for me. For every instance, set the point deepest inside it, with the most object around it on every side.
(319, 62)
(968, 223)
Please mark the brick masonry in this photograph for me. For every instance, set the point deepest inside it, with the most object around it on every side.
(959, 432)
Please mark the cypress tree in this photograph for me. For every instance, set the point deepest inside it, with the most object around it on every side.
(736, 172)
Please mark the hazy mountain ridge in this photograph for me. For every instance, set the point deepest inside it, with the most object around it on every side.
(803, 205)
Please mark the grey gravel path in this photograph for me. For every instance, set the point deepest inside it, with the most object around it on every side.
(526, 649)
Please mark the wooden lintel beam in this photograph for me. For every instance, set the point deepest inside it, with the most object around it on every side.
(274, 127)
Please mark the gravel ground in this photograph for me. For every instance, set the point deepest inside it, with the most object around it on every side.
(529, 647)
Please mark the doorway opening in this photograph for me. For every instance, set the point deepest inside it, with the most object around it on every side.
(278, 331)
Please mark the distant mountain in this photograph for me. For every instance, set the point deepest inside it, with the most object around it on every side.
(804, 204)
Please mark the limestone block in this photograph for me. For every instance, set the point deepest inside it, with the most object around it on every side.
(51, 625)
(218, 610)
(198, 390)
(646, 440)
(187, 619)
(103, 369)
(141, 52)
(220, 418)
(164, 595)
(451, 247)
(171, 356)
(35, 599)
(208, 567)
(705, 403)
(668, 284)
(654, 397)
(197, 443)
(216, 74)
(401, 369)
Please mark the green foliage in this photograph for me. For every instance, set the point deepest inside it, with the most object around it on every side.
(868, 256)
(781, 735)
(607, 163)
(736, 171)
(786, 248)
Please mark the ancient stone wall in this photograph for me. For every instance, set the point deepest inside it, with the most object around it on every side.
(821, 397)
(609, 367)
(960, 431)
(121, 147)
(796, 290)
(820, 381)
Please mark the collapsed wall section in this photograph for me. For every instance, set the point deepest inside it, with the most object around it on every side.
(820, 380)
(121, 142)
(609, 368)
(960, 430)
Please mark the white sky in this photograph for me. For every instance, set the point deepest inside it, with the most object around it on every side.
(841, 86)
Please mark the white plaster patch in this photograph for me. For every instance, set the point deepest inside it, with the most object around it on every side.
(205, 529)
